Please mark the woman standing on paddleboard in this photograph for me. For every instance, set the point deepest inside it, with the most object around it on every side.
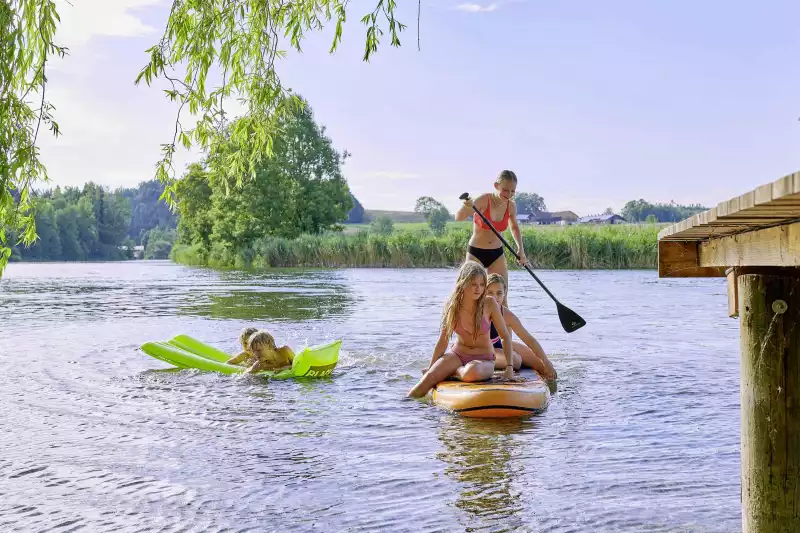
(498, 207)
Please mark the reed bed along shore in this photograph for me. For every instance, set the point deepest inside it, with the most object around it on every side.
(622, 246)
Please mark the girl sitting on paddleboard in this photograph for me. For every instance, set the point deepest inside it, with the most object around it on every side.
(484, 246)
(467, 313)
(261, 353)
(529, 354)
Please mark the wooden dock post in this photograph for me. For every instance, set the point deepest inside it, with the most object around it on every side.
(770, 392)
(754, 240)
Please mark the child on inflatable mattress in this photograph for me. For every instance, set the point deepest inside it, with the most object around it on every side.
(260, 352)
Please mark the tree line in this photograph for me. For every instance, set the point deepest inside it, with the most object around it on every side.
(94, 223)
(299, 190)
(643, 211)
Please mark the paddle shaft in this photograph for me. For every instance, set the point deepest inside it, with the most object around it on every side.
(510, 249)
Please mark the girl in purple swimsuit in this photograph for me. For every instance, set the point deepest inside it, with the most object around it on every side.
(467, 313)
(530, 353)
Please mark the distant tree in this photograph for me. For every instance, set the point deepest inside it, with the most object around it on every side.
(528, 203)
(426, 205)
(148, 210)
(435, 213)
(651, 219)
(438, 220)
(608, 211)
(639, 210)
(356, 215)
(158, 250)
(382, 225)
(193, 194)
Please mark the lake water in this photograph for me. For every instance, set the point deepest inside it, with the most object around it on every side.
(642, 434)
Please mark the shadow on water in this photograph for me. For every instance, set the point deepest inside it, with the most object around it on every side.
(480, 456)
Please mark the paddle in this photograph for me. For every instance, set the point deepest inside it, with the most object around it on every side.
(570, 320)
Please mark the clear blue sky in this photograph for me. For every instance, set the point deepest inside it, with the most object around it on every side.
(591, 103)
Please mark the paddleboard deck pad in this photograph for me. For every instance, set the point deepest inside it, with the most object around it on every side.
(494, 398)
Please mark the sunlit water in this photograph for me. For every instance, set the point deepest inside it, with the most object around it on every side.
(642, 435)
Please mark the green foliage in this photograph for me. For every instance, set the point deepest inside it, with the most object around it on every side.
(578, 247)
(435, 213)
(158, 242)
(211, 51)
(640, 210)
(147, 211)
(82, 224)
(382, 225)
(194, 201)
(528, 203)
(300, 189)
(426, 206)
(356, 215)
(651, 219)
(438, 219)
(27, 28)
(239, 41)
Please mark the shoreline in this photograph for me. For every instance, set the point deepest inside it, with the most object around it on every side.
(614, 247)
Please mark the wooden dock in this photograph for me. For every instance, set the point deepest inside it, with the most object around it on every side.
(754, 240)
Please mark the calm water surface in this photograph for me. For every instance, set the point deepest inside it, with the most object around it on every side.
(642, 435)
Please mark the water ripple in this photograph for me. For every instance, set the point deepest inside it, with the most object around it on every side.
(642, 434)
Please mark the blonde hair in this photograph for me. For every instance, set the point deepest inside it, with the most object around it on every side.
(506, 175)
(261, 339)
(497, 278)
(244, 337)
(468, 270)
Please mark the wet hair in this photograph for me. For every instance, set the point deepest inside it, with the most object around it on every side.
(244, 337)
(506, 175)
(497, 278)
(259, 340)
(468, 270)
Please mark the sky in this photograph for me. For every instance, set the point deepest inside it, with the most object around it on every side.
(591, 103)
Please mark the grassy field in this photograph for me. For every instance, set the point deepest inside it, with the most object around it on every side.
(351, 229)
(396, 216)
(413, 245)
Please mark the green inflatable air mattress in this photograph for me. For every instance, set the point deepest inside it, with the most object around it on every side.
(184, 351)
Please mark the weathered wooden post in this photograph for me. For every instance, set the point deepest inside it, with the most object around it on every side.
(769, 310)
(754, 240)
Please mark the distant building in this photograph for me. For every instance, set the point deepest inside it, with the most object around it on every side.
(601, 219)
(543, 218)
(546, 218)
(567, 217)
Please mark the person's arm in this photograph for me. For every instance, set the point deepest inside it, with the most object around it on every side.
(236, 359)
(286, 353)
(505, 335)
(439, 349)
(255, 367)
(530, 341)
(516, 232)
(465, 211)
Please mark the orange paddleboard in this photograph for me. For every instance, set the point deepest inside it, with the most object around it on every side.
(494, 398)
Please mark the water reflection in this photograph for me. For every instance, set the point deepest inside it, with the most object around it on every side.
(482, 456)
(275, 305)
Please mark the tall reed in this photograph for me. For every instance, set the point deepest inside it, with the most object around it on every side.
(573, 247)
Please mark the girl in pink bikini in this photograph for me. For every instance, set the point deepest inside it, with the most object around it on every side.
(467, 313)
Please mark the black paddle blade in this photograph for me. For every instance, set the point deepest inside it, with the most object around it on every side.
(570, 320)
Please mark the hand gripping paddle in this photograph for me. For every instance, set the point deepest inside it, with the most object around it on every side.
(570, 320)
